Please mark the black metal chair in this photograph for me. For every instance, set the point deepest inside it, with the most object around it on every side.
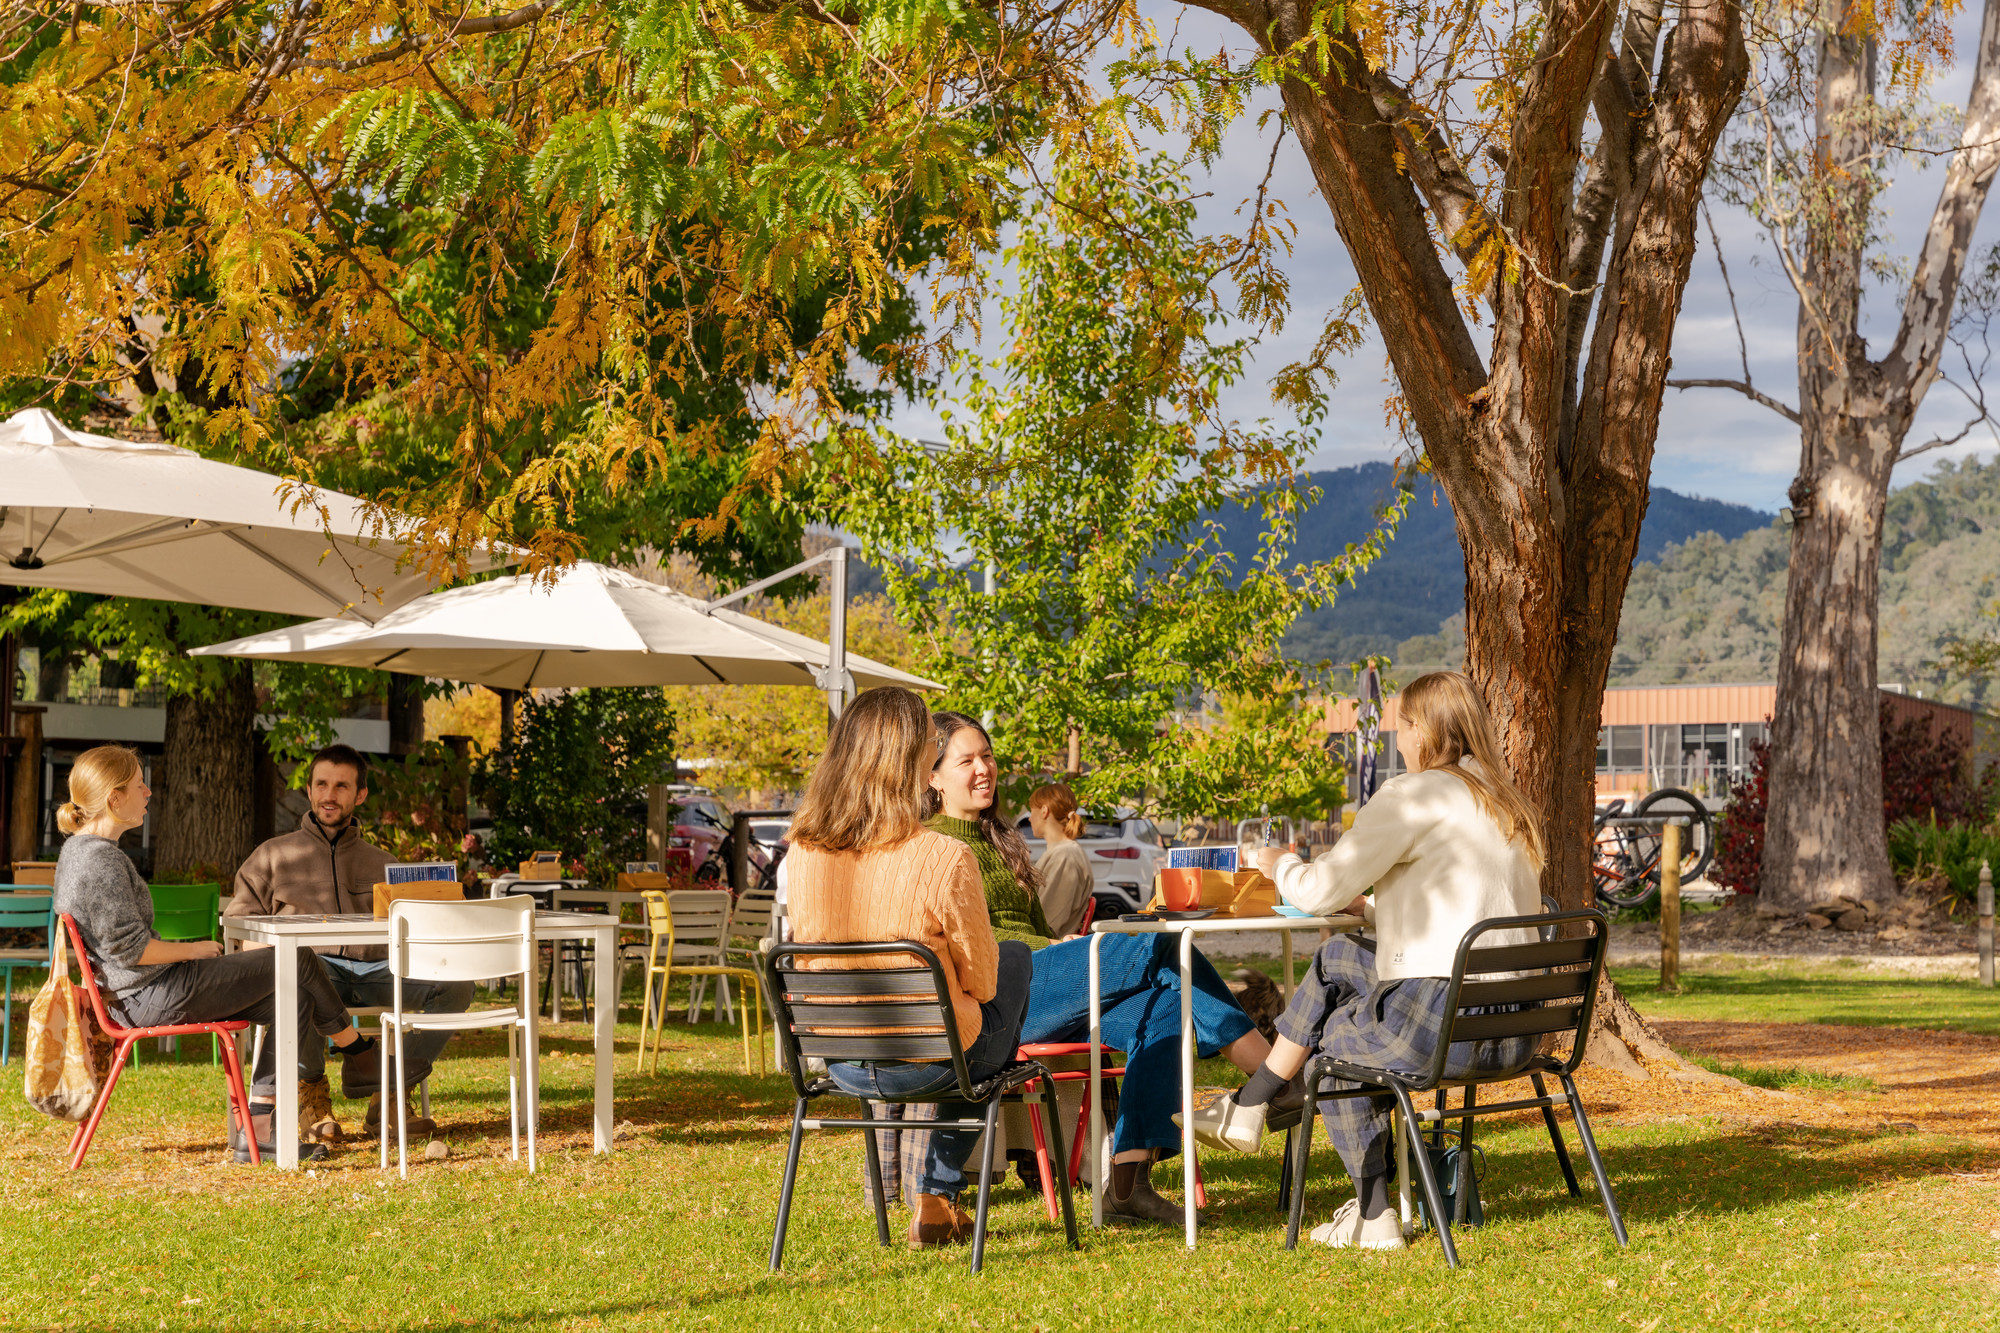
(1544, 988)
(817, 1013)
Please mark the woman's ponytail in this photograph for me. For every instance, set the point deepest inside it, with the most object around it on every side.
(1056, 801)
(95, 775)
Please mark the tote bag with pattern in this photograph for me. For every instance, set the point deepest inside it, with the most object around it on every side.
(61, 1080)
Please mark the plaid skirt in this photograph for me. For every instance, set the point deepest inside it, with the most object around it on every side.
(1343, 1010)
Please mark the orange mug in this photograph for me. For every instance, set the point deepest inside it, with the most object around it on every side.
(1180, 889)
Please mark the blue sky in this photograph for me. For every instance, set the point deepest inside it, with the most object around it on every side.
(1712, 442)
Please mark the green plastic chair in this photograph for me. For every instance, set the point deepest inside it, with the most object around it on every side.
(187, 912)
(23, 908)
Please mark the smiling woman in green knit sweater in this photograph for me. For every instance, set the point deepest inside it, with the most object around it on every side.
(1139, 978)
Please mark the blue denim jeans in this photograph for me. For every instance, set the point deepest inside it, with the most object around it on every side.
(911, 1080)
(1140, 979)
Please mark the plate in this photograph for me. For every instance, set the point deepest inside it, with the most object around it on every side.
(1198, 914)
(1286, 909)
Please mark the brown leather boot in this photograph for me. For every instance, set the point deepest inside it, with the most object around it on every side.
(316, 1119)
(1145, 1204)
(937, 1221)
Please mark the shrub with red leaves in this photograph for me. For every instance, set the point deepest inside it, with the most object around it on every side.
(1739, 830)
(1924, 775)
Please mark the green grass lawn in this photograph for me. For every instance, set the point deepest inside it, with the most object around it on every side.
(1734, 1224)
(1814, 991)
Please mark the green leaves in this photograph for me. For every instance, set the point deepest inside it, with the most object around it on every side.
(1085, 470)
(576, 779)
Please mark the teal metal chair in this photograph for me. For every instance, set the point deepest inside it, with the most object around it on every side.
(23, 908)
(187, 912)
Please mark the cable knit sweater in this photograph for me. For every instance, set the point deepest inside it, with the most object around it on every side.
(1439, 865)
(926, 890)
(1015, 912)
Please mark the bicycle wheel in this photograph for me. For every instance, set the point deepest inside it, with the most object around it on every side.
(1619, 861)
(1697, 839)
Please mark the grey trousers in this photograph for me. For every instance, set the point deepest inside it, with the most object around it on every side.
(240, 987)
(378, 990)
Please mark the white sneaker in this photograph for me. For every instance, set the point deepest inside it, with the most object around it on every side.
(1348, 1231)
(1225, 1125)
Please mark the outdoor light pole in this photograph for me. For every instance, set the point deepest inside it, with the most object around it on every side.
(835, 679)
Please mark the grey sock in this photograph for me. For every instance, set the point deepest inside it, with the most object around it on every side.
(1262, 1087)
(1373, 1191)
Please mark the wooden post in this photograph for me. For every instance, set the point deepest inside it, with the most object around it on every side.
(659, 823)
(460, 798)
(507, 698)
(1985, 924)
(1670, 907)
(24, 823)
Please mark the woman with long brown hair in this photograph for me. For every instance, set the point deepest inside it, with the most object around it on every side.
(1445, 846)
(148, 981)
(862, 868)
(1139, 979)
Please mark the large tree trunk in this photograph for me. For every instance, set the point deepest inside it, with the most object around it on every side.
(1824, 833)
(1546, 454)
(205, 781)
(1823, 836)
(1544, 446)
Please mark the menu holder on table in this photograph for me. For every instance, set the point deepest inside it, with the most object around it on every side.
(424, 890)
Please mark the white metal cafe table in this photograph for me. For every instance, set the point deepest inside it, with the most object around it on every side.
(1187, 930)
(287, 934)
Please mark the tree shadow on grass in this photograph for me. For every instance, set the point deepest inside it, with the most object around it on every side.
(1743, 1169)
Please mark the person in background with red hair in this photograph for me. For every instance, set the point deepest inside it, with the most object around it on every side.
(1064, 869)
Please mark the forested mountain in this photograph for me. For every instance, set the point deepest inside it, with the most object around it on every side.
(1707, 598)
(1711, 610)
(1419, 583)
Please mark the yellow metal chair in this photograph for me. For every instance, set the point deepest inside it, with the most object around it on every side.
(691, 926)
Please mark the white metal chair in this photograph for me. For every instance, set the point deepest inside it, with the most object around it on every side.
(467, 941)
(751, 931)
(375, 1012)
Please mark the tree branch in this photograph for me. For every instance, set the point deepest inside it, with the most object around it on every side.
(1749, 391)
(455, 26)
(1915, 356)
(1439, 176)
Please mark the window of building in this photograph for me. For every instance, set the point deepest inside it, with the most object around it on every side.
(1621, 749)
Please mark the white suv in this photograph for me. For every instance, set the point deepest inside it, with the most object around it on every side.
(1124, 855)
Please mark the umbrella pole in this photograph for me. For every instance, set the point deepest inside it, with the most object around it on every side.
(836, 635)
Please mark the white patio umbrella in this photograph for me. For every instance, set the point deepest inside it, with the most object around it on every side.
(594, 626)
(93, 514)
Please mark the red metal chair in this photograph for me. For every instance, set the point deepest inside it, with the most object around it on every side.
(127, 1038)
(1042, 1050)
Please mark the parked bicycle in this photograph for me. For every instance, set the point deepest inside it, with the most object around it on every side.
(1626, 859)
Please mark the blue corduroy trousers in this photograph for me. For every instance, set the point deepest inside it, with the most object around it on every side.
(1139, 976)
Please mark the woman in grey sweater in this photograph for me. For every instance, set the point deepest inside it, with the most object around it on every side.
(148, 981)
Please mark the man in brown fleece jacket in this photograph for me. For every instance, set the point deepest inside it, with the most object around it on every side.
(328, 867)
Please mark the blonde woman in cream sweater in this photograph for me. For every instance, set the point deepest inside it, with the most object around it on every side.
(1447, 845)
(862, 867)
